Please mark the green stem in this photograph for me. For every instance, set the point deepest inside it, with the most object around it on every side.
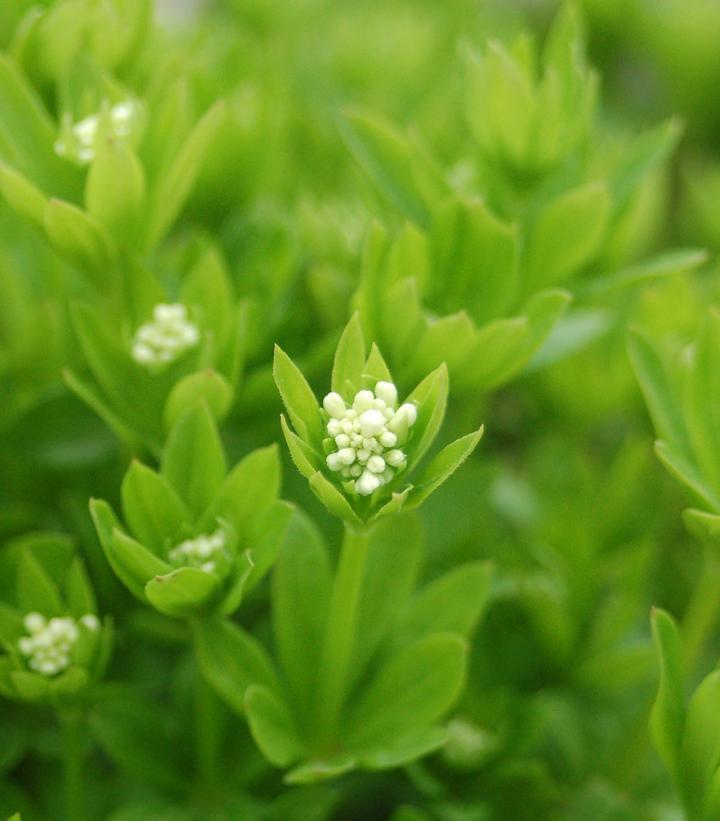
(341, 625)
(71, 726)
(209, 722)
(702, 612)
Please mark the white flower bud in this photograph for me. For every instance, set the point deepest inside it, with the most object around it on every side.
(346, 456)
(395, 458)
(376, 464)
(90, 621)
(388, 439)
(333, 461)
(334, 405)
(363, 455)
(34, 622)
(371, 423)
(410, 412)
(387, 392)
(368, 483)
(333, 427)
(342, 440)
(363, 401)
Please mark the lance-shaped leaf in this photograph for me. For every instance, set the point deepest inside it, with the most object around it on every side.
(271, 724)
(667, 719)
(300, 401)
(182, 592)
(193, 460)
(442, 467)
(231, 660)
(411, 692)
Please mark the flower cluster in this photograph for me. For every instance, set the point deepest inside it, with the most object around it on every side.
(206, 552)
(78, 142)
(168, 335)
(367, 436)
(48, 647)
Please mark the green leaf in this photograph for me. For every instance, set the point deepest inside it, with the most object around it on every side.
(474, 260)
(430, 396)
(297, 396)
(115, 191)
(700, 751)
(78, 590)
(315, 771)
(231, 660)
(90, 396)
(375, 367)
(249, 489)
(173, 187)
(501, 105)
(115, 371)
(208, 289)
(349, 362)
(667, 718)
(271, 725)
(36, 591)
(442, 467)
(402, 320)
(206, 386)
(701, 396)
(301, 584)
(304, 457)
(153, 510)
(389, 161)
(193, 460)
(265, 540)
(401, 751)
(137, 737)
(411, 692)
(28, 132)
(133, 563)
(452, 603)
(182, 592)
(391, 571)
(11, 624)
(660, 391)
(446, 339)
(567, 235)
(687, 474)
(22, 196)
(332, 498)
(80, 238)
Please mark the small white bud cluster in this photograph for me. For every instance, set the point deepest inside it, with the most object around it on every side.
(367, 436)
(49, 646)
(166, 337)
(202, 552)
(84, 134)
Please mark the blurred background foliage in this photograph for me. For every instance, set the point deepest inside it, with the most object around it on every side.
(564, 495)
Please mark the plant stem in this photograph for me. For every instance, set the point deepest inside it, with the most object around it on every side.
(703, 610)
(71, 726)
(341, 625)
(208, 733)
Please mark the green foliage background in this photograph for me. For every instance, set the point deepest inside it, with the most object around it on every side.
(519, 200)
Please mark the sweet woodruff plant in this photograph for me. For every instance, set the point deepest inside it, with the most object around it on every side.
(264, 268)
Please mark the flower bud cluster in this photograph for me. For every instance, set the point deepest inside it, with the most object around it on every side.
(81, 141)
(204, 552)
(48, 647)
(166, 337)
(367, 436)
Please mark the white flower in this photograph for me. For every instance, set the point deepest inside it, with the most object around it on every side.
(203, 552)
(80, 140)
(367, 435)
(166, 337)
(48, 647)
